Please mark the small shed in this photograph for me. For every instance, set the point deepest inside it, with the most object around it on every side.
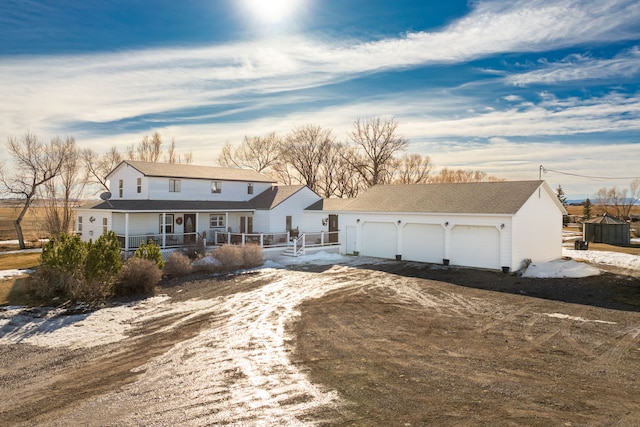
(606, 229)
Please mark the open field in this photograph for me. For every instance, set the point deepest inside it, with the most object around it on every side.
(359, 343)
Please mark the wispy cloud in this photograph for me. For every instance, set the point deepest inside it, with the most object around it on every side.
(582, 68)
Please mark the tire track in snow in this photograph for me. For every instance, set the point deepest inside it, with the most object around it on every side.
(236, 372)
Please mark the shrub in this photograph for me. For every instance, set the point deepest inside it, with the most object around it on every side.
(138, 276)
(230, 256)
(50, 282)
(103, 264)
(150, 251)
(177, 264)
(252, 255)
(64, 252)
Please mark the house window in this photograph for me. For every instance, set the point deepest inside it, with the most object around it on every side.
(105, 225)
(216, 221)
(139, 185)
(168, 223)
(120, 188)
(288, 223)
(216, 187)
(249, 188)
(80, 224)
(174, 186)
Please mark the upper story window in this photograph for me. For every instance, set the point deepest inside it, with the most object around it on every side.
(174, 185)
(216, 221)
(120, 188)
(216, 187)
(249, 188)
(139, 185)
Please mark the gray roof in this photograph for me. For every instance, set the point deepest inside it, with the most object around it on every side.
(275, 195)
(175, 170)
(268, 199)
(329, 205)
(606, 219)
(505, 197)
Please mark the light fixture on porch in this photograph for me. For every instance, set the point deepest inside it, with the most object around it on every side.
(501, 226)
(399, 222)
(446, 224)
(358, 220)
(325, 221)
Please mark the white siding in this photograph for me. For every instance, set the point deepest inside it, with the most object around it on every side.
(537, 233)
(294, 206)
(423, 242)
(91, 230)
(157, 188)
(475, 246)
(379, 239)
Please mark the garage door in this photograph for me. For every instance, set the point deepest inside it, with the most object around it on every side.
(379, 239)
(475, 246)
(423, 242)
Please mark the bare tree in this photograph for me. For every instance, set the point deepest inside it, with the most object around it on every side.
(412, 169)
(305, 149)
(618, 203)
(260, 153)
(35, 164)
(59, 194)
(460, 175)
(377, 142)
(97, 166)
(149, 149)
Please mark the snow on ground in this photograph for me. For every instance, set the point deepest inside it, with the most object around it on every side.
(560, 268)
(7, 274)
(617, 259)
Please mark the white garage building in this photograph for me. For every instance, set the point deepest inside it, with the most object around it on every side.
(495, 225)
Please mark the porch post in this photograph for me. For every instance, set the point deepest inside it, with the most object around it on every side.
(164, 229)
(126, 232)
(196, 227)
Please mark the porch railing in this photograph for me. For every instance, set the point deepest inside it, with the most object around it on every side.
(274, 240)
(164, 241)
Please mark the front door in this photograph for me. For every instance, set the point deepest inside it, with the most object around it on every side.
(333, 228)
(189, 229)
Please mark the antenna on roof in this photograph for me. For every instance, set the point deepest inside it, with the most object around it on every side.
(106, 196)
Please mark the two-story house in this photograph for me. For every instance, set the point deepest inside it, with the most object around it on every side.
(176, 204)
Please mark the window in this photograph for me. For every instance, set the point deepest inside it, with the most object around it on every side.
(174, 186)
(120, 188)
(139, 185)
(249, 188)
(216, 187)
(168, 223)
(80, 224)
(216, 221)
(105, 225)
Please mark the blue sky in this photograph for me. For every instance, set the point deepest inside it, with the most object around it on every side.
(499, 86)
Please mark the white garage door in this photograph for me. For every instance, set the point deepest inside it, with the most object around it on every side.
(423, 242)
(379, 239)
(475, 246)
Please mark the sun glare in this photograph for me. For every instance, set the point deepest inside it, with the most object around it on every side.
(271, 11)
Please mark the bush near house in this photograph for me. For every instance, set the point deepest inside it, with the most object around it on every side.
(177, 264)
(138, 276)
(150, 251)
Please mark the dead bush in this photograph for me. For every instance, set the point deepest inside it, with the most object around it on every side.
(253, 256)
(138, 276)
(177, 264)
(230, 256)
(49, 282)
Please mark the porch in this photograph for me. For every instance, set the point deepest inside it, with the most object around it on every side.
(298, 241)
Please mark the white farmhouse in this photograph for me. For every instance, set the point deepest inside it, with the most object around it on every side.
(495, 225)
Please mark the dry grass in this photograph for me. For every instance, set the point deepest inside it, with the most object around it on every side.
(595, 210)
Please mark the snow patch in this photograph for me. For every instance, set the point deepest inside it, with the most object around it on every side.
(560, 269)
(577, 319)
